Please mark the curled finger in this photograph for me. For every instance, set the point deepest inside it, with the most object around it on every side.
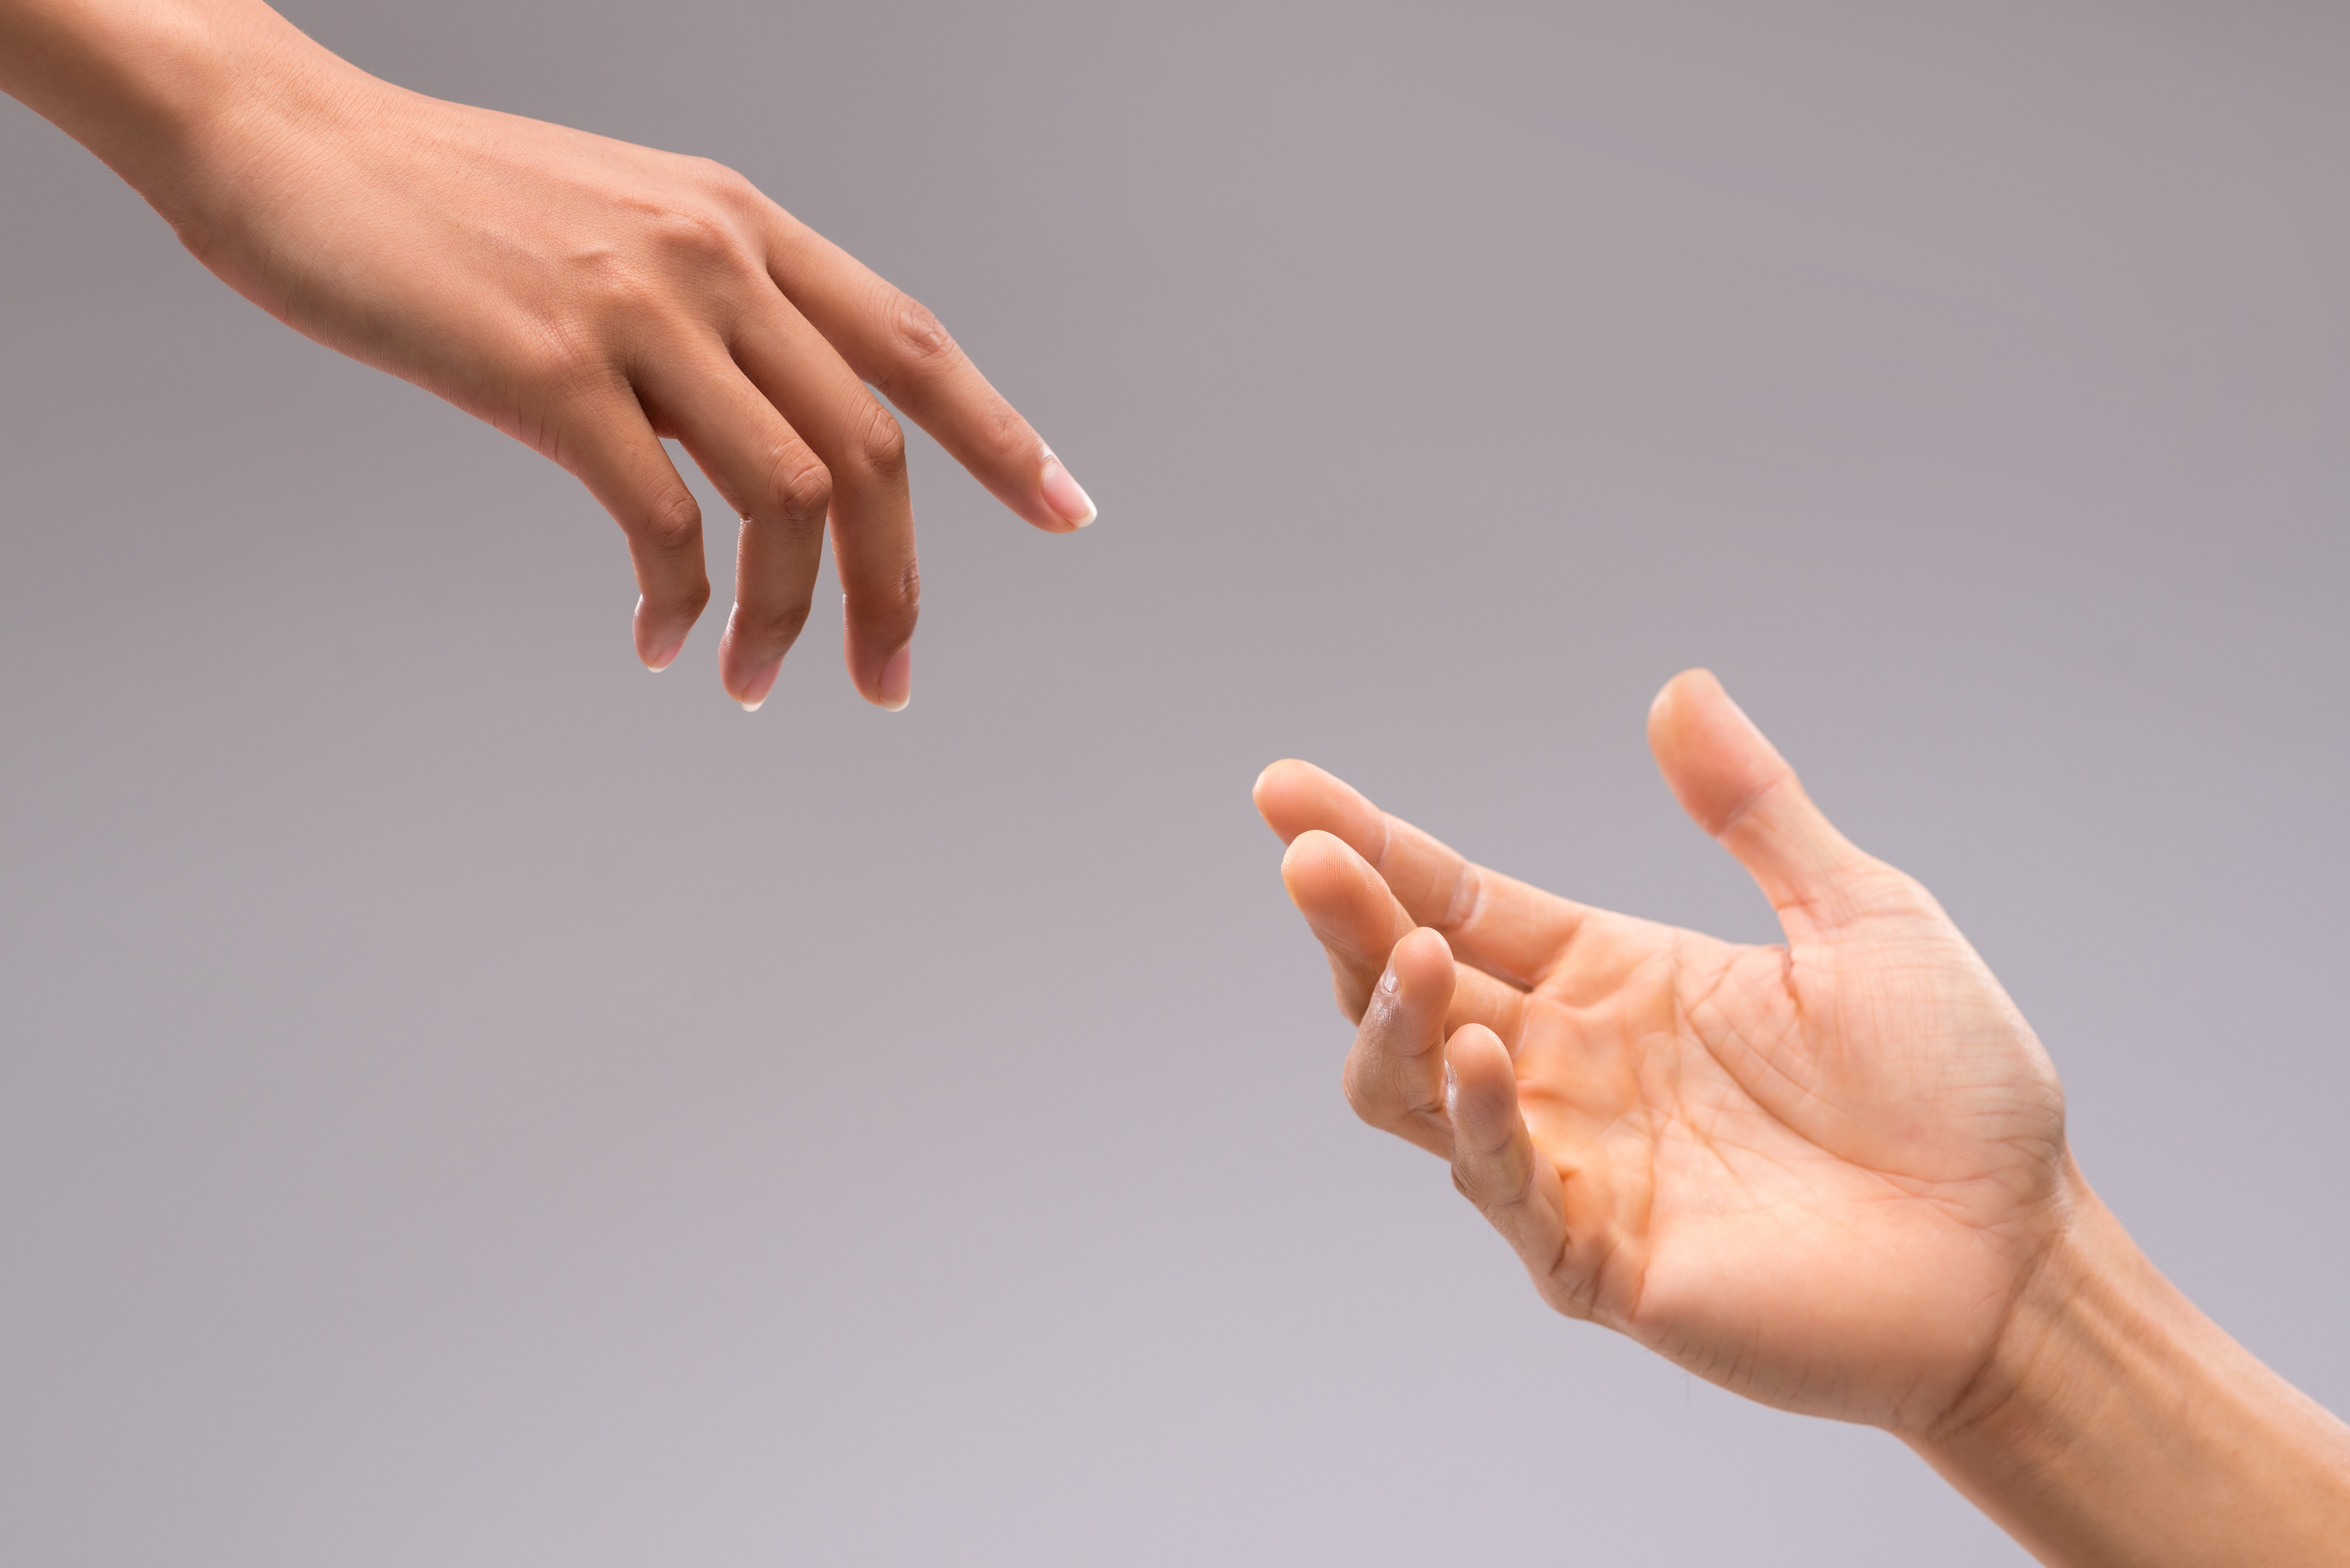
(775, 482)
(1395, 1073)
(608, 442)
(1496, 1163)
(872, 512)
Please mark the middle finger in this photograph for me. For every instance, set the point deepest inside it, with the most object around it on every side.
(774, 482)
(1358, 922)
(872, 508)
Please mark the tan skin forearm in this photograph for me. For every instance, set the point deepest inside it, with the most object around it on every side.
(142, 82)
(2117, 1425)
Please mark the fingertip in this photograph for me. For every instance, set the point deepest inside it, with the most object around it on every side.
(1275, 791)
(1419, 968)
(894, 688)
(1481, 1082)
(1341, 896)
(753, 692)
(1472, 1038)
(1309, 861)
(898, 680)
(1424, 952)
(1715, 758)
(657, 646)
(1673, 699)
(1294, 796)
(1062, 493)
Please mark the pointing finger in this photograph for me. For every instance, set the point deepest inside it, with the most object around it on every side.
(891, 341)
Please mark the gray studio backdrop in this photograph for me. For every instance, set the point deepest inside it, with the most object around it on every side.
(465, 1102)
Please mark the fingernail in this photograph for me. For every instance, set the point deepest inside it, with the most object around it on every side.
(662, 659)
(1065, 495)
(755, 692)
(1452, 1091)
(898, 679)
(1390, 981)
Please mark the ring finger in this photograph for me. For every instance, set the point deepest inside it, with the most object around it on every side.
(1395, 1073)
(775, 482)
(872, 510)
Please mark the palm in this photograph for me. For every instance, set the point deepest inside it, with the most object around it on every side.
(1815, 1173)
(1778, 1154)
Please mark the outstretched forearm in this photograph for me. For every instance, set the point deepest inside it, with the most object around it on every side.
(146, 85)
(2116, 1424)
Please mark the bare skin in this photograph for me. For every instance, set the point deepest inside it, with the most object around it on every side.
(584, 296)
(1830, 1175)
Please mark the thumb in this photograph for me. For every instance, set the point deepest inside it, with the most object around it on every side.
(1741, 790)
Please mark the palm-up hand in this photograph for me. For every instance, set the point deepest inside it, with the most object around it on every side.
(1817, 1173)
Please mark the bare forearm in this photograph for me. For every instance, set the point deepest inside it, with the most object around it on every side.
(148, 86)
(2119, 1426)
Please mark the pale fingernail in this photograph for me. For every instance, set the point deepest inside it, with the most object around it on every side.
(898, 679)
(1065, 495)
(1390, 981)
(1452, 1091)
(755, 692)
(662, 659)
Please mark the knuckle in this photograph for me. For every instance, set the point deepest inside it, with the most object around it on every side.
(673, 250)
(891, 614)
(877, 444)
(799, 488)
(611, 288)
(916, 334)
(721, 181)
(672, 521)
(1008, 434)
(699, 237)
(686, 601)
(771, 625)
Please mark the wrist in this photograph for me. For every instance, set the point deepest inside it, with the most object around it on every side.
(2062, 1350)
(2114, 1422)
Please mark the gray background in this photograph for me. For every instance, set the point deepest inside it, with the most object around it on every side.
(463, 1101)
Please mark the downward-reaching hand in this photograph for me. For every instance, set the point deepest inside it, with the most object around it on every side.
(584, 296)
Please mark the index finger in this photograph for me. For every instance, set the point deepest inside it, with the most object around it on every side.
(1359, 923)
(1495, 923)
(893, 343)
